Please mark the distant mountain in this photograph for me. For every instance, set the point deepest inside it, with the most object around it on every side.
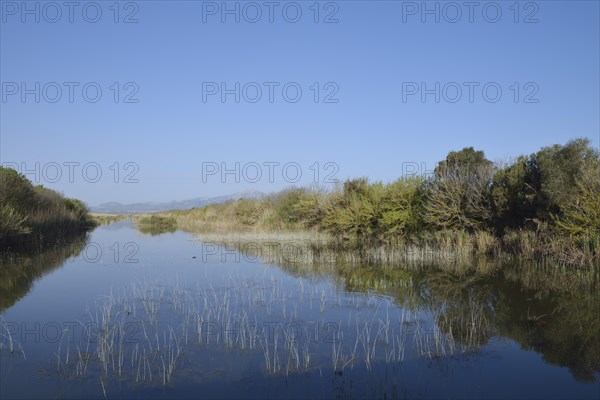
(119, 208)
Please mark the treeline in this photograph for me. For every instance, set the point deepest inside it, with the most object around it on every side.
(35, 215)
(546, 204)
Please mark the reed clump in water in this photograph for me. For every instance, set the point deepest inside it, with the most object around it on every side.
(156, 224)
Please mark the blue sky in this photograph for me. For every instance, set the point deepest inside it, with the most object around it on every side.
(370, 61)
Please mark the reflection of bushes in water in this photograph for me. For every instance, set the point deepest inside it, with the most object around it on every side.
(549, 318)
(551, 309)
(18, 272)
(463, 306)
(555, 315)
(156, 225)
(304, 250)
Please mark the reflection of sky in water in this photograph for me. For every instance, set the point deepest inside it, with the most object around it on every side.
(500, 368)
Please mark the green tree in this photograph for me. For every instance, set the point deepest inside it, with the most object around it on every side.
(402, 208)
(515, 194)
(581, 217)
(558, 169)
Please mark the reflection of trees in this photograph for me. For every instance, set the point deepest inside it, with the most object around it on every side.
(556, 312)
(463, 306)
(543, 314)
(546, 308)
(17, 273)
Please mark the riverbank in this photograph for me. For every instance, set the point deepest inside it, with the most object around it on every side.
(35, 216)
(541, 206)
(220, 224)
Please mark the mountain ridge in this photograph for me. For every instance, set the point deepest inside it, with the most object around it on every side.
(114, 207)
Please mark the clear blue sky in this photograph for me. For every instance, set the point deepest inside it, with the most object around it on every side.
(373, 49)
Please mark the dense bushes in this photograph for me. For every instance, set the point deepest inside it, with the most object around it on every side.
(543, 204)
(36, 215)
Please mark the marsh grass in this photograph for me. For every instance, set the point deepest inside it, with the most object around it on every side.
(174, 323)
(8, 344)
(312, 248)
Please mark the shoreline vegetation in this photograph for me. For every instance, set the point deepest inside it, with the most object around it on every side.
(544, 206)
(155, 224)
(34, 216)
(106, 218)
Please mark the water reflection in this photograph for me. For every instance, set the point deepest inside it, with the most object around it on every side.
(551, 309)
(296, 321)
(18, 272)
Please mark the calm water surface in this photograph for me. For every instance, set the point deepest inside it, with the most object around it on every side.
(123, 314)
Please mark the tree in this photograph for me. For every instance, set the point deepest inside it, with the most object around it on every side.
(581, 217)
(515, 194)
(401, 213)
(558, 169)
(458, 195)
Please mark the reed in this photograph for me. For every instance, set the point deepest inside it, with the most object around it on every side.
(372, 330)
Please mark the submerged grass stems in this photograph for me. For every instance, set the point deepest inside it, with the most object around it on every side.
(144, 334)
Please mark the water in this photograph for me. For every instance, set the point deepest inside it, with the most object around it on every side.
(124, 314)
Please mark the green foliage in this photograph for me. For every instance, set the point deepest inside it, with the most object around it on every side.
(543, 205)
(558, 184)
(354, 212)
(559, 168)
(37, 215)
(581, 217)
(16, 190)
(515, 194)
(464, 162)
(402, 209)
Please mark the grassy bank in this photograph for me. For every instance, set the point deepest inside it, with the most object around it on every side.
(34, 216)
(541, 206)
